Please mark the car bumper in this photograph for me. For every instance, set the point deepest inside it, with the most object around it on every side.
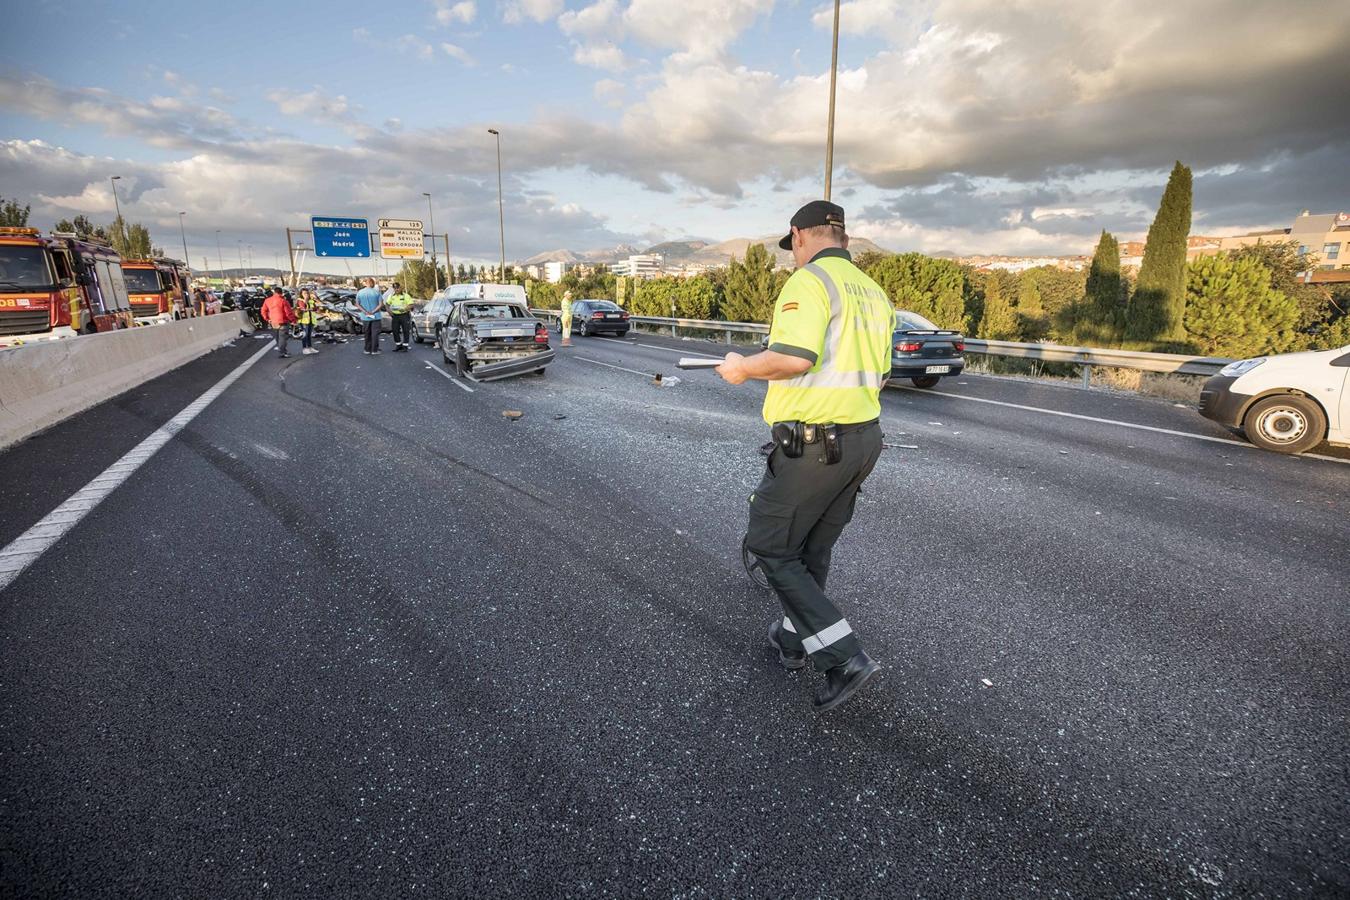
(492, 371)
(917, 368)
(1218, 401)
(593, 325)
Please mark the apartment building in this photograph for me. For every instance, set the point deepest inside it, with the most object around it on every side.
(642, 265)
(1325, 237)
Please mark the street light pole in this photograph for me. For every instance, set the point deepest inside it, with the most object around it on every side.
(241, 258)
(431, 219)
(181, 230)
(829, 131)
(220, 256)
(501, 209)
(116, 203)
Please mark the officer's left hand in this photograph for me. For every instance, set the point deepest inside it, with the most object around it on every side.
(732, 370)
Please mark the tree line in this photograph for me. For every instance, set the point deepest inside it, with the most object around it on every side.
(1244, 302)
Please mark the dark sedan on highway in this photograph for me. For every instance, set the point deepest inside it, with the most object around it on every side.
(923, 352)
(598, 317)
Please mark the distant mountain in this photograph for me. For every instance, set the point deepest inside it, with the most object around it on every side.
(677, 251)
(721, 254)
(610, 255)
(695, 252)
(563, 256)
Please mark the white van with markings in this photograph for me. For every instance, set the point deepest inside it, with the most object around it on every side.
(1288, 403)
(428, 319)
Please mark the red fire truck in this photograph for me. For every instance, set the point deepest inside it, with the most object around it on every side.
(59, 286)
(154, 284)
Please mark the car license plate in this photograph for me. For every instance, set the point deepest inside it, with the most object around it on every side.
(508, 339)
(937, 370)
(611, 315)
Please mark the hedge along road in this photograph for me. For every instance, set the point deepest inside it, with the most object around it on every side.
(353, 631)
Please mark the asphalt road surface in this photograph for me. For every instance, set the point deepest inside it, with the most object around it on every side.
(354, 633)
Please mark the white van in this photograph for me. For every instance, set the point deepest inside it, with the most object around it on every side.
(1289, 403)
(428, 320)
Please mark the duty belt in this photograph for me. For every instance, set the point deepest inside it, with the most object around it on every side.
(792, 437)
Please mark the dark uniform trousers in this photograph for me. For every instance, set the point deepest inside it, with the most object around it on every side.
(402, 328)
(797, 514)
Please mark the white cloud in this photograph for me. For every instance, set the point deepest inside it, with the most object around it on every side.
(600, 56)
(601, 19)
(313, 104)
(515, 12)
(449, 13)
(405, 44)
(610, 92)
(458, 53)
(699, 28)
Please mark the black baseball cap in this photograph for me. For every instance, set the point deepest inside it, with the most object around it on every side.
(817, 212)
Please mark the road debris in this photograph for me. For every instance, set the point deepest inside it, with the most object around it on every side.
(512, 414)
(986, 682)
(899, 446)
(559, 417)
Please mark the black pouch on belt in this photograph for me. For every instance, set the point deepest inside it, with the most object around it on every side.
(788, 437)
(833, 452)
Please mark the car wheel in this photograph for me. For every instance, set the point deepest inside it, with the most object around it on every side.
(461, 362)
(1287, 423)
(445, 349)
(416, 334)
(926, 381)
(622, 334)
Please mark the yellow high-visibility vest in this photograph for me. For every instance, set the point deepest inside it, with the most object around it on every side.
(832, 314)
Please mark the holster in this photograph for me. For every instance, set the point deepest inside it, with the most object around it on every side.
(792, 438)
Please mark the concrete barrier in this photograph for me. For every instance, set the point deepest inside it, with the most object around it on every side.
(44, 382)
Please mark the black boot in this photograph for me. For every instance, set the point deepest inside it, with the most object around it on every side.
(791, 659)
(843, 681)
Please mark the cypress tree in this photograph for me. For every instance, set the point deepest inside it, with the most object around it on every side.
(1030, 310)
(1157, 312)
(1100, 316)
(998, 323)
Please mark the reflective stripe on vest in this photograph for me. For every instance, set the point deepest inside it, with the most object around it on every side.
(842, 385)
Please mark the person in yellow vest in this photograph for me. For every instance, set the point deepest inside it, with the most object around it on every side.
(565, 316)
(400, 307)
(828, 357)
(306, 316)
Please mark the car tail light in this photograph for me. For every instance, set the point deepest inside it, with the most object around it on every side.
(907, 346)
(597, 315)
(624, 316)
(959, 346)
(540, 334)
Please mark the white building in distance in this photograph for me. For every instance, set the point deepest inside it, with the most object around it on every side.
(643, 265)
(554, 271)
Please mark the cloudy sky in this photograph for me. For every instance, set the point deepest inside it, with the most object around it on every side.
(1013, 126)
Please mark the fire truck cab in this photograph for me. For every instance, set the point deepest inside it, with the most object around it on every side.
(58, 286)
(150, 290)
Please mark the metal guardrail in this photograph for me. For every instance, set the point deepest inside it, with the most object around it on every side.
(1085, 357)
(1096, 356)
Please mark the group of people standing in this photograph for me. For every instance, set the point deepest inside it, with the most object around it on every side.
(280, 314)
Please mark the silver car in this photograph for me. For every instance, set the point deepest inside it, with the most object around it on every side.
(430, 318)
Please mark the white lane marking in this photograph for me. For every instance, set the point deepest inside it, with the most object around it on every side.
(1069, 415)
(666, 349)
(271, 452)
(24, 550)
(612, 366)
(453, 380)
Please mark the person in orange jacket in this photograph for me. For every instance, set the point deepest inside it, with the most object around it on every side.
(277, 312)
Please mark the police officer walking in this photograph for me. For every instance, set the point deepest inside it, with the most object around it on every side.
(829, 355)
(400, 310)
